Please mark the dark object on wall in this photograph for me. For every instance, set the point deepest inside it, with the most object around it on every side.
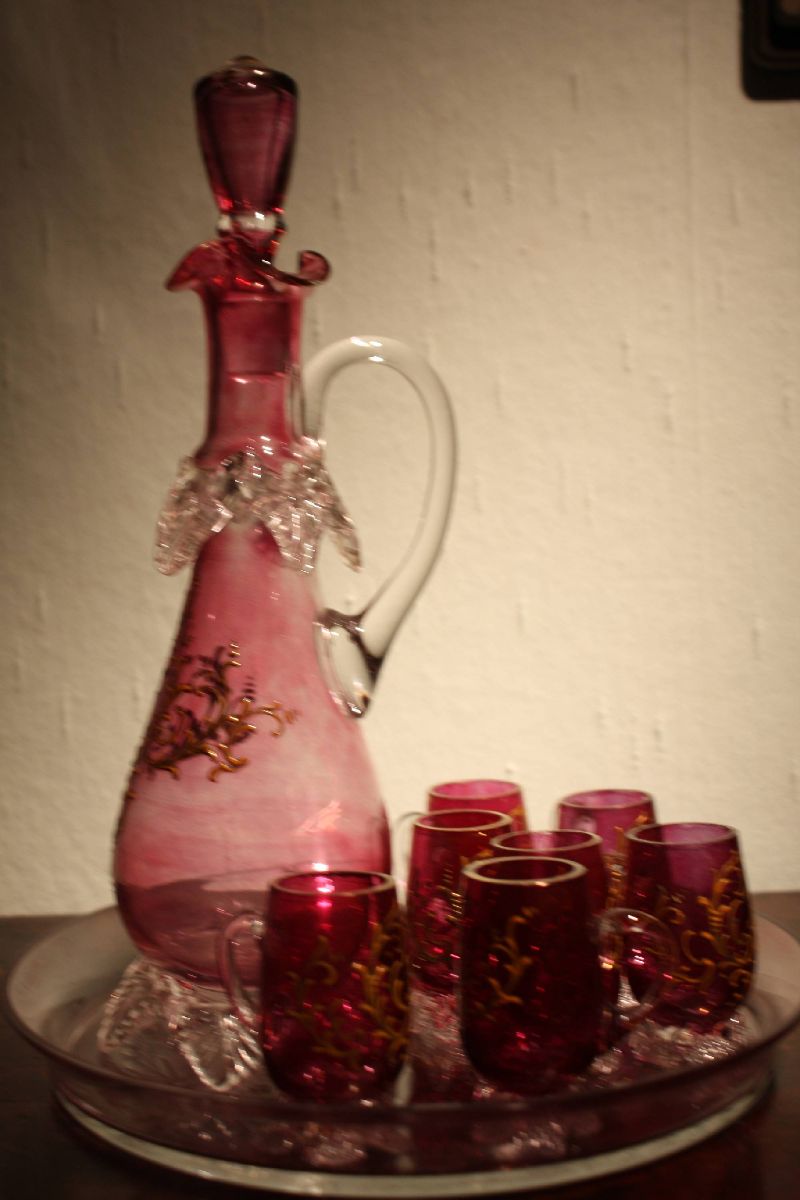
(771, 49)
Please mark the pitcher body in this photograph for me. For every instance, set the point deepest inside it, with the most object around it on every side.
(253, 763)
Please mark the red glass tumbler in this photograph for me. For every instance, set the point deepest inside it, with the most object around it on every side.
(442, 844)
(689, 875)
(496, 794)
(609, 813)
(333, 1017)
(582, 848)
(536, 1005)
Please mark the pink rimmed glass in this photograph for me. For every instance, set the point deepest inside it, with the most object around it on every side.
(689, 875)
(496, 794)
(608, 812)
(333, 1014)
(442, 844)
(540, 974)
(582, 848)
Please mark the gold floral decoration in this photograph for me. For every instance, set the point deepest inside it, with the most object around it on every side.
(383, 1000)
(216, 729)
(512, 964)
(724, 948)
(384, 979)
(617, 863)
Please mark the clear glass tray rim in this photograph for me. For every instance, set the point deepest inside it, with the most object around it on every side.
(417, 1185)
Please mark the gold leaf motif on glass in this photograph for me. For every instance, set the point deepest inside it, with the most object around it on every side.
(722, 947)
(512, 964)
(383, 1001)
(214, 728)
(617, 863)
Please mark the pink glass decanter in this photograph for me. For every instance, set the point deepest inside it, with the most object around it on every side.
(253, 763)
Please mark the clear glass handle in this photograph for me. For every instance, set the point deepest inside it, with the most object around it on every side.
(251, 925)
(352, 647)
(638, 950)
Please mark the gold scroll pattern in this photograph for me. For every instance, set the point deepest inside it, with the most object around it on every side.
(383, 1001)
(617, 863)
(720, 949)
(512, 965)
(214, 729)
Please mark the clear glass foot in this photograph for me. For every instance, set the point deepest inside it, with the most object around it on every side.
(160, 1025)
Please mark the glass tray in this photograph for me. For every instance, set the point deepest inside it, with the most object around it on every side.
(632, 1108)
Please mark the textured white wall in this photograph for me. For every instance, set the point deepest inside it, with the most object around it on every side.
(574, 211)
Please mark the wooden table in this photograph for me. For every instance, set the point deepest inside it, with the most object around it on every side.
(43, 1155)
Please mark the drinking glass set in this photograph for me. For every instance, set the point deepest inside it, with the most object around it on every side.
(543, 949)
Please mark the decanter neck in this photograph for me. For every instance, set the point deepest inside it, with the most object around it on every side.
(253, 323)
(253, 348)
(246, 115)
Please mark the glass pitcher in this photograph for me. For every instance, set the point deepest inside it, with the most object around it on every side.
(253, 761)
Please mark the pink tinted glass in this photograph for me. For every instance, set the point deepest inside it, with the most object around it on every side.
(333, 996)
(582, 848)
(442, 844)
(608, 812)
(221, 782)
(496, 794)
(246, 117)
(689, 875)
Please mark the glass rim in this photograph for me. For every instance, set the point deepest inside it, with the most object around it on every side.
(381, 882)
(724, 833)
(613, 798)
(587, 840)
(473, 870)
(424, 820)
(503, 788)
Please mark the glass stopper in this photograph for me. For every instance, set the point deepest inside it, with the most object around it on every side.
(246, 117)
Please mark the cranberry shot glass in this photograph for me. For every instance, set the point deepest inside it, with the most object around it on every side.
(586, 849)
(333, 1010)
(496, 794)
(442, 844)
(540, 974)
(608, 812)
(690, 876)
